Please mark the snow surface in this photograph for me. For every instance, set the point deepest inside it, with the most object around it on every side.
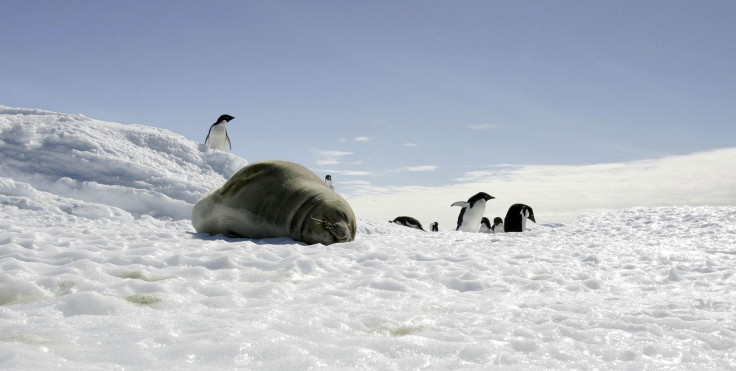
(100, 268)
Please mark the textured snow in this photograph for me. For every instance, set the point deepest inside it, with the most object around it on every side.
(100, 268)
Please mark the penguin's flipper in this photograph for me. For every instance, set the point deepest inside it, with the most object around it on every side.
(461, 204)
(228, 141)
(208, 136)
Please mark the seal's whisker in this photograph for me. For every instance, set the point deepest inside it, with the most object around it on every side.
(333, 228)
(336, 230)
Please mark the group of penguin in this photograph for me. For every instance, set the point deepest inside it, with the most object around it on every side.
(471, 217)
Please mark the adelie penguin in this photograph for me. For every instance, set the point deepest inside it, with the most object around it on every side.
(328, 182)
(407, 221)
(497, 226)
(217, 136)
(472, 212)
(434, 227)
(516, 217)
(485, 226)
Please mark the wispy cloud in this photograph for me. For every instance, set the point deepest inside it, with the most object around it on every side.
(356, 139)
(357, 173)
(356, 183)
(329, 157)
(419, 168)
(407, 144)
(561, 193)
(483, 127)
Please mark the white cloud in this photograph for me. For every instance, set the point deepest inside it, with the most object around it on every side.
(329, 157)
(419, 168)
(362, 139)
(356, 183)
(410, 144)
(561, 193)
(356, 173)
(483, 127)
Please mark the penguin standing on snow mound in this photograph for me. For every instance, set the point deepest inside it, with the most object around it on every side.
(434, 227)
(408, 221)
(472, 212)
(217, 136)
(328, 182)
(516, 218)
(497, 226)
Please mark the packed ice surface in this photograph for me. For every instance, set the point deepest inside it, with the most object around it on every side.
(100, 268)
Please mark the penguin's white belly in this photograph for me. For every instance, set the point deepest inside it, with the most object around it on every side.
(412, 225)
(472, 217)
(498, 229)
(218, 138)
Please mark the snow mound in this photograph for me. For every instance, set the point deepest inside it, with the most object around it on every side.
(140, 169)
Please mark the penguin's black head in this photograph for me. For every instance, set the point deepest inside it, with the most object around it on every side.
(480, 196)
(497, 220)
(328, 177)
(531, 214)
(485, 221)
(225, 117)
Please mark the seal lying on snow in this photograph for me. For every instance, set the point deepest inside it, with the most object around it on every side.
(275, 199)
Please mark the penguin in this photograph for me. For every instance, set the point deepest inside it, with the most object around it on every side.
(485, 226)
(516, 217)
(408, 221)
(434, 227)
(472, 212)
(328, 182)
(497, 226)
(217, 136)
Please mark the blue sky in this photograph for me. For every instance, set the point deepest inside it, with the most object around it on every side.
(390, 93)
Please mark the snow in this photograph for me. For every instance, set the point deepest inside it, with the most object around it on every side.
(139, 169)
(100, 268)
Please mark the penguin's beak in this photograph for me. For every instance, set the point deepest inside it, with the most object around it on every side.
(531, 217)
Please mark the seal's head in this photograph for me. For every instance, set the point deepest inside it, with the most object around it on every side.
(327, 220)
